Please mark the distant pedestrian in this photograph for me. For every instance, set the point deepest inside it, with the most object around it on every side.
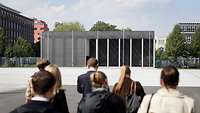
(167, 99)
(43, 85)
(59, 101)
(41, 64)
(126, 87)
(83, 83)
(100, 100)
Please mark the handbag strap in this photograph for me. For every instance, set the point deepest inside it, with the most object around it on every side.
(150, 103)
(131, 90)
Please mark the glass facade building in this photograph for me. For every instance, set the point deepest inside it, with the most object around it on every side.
(15, 25)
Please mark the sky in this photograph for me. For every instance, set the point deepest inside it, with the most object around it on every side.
(157, 15)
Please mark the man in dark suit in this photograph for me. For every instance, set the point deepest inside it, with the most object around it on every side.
(43, 85)
(83, 83)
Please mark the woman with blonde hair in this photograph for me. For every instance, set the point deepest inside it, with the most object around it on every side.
(123, 86)
(59, 100)
(131, 91)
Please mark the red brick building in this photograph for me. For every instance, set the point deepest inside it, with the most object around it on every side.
(39, 27)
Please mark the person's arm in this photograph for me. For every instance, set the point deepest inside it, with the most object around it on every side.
(79, 86)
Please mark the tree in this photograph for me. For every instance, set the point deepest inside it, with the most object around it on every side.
(21, 48)
(176, 44)
(2, 42)
(161, 54)
(128, 29)
(68, 26)
(9, 52)
(195, 45)
(102, 26)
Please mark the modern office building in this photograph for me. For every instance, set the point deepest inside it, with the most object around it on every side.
(39, 27)
(188, 29)
(160, 43)
(111, 48)
(15, 25)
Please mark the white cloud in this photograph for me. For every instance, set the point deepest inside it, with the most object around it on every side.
(123, 13)
(40, 9)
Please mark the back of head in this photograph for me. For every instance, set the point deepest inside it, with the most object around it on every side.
(122, 87)
(98, 79)
(54, 70)
(42, 82)
(42, 63)
(92, 62)
(170, 76)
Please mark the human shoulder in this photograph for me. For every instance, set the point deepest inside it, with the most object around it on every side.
(189, 100)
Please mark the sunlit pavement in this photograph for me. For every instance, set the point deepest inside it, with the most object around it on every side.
(16, 78)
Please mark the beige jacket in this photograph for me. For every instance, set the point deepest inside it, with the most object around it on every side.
(167, 101)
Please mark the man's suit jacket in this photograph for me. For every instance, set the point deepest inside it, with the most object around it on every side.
(84, 84)
(35, 107)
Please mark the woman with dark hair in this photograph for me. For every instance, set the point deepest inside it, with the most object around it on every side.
(167, 99)
(123, 86)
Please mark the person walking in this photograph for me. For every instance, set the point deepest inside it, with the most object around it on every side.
(41, 64)
(129, 90)
(43, 85)
(100, 100)
(167, 99)
(83, 83)
(59, 101)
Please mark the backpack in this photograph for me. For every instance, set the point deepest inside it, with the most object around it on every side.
(133, 101)
(96, 102)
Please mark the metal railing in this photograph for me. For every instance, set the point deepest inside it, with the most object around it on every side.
(18, 61)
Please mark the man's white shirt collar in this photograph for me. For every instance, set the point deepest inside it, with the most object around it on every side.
(40, 98)
(91, 69)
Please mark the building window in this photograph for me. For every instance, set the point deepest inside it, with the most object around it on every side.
(189, 39)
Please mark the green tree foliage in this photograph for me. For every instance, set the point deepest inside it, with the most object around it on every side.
(161, 54)
(102, 26)
(21, 48)
(195, 45)
(176, 44)
(2, 42)
(68, 26)
(9, 52)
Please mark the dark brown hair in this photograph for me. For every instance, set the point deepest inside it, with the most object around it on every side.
(92, 62)
(42, 82)
(170, 76)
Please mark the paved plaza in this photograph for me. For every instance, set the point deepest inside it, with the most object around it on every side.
(16, 78)
(13, 82)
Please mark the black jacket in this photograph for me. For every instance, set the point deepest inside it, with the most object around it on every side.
(35, 107)
(84, 83)
(101, 102)
(60, 102)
